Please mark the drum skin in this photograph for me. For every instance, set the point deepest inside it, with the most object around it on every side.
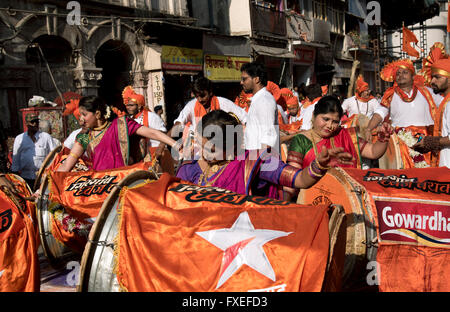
(47, 161)
(97, 264)
(392, 158)
(338, 188)
(56, 252)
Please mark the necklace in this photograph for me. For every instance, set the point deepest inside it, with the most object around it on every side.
(216, 169)
(313, 133)
(102, 126)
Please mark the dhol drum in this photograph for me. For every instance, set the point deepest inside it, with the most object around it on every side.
(392, 158)
(57, 253)
(97, 263)
(47, 161)
(336, 187)
(359, 121)
(336, 257)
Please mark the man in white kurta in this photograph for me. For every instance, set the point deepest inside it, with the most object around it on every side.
(261, 130)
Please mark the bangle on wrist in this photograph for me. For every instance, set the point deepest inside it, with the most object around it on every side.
(319, 166)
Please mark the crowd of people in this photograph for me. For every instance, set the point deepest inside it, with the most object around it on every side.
(298, 129)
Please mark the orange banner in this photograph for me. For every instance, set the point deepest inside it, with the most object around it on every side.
(191, 238)
(81, 195)
(19, 265)
(411, 208)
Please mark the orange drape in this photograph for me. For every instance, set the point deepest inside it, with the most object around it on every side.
(166, 253)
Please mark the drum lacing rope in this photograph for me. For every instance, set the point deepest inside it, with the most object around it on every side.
(102, 243)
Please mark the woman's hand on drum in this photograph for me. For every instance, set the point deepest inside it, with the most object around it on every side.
(332, 157)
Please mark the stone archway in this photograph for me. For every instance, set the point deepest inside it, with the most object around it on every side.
(115, 58)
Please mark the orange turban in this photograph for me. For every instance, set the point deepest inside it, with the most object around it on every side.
(430, 63)
(389, 71)
(361, 85)
(288, 98)
(274, 89)
(129, 94)
(441, 67)
(73, 108)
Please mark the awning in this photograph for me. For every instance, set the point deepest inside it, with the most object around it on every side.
(272, 51)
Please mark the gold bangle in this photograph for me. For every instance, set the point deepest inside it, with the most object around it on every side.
(73, 155)
(320, 166)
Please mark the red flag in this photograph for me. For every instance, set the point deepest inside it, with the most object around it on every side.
(408, 38)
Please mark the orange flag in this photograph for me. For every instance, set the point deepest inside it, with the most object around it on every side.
(192, 238)
(408, 38)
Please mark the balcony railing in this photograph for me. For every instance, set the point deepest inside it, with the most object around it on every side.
(266, 20)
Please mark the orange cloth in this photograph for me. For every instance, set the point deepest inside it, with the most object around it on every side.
(291, 127)
(82, 195)
(72, 108)
(243, 100)
(437, 52)
(170, 250)
(361, 85)
(19, 241)
(324, 90)
(128, 94)
(200, 111)
(274, 89)
(288, 99)
(408, 161)
(408, 38)
(411, 211)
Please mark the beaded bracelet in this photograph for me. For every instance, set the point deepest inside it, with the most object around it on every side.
(315, 167)
(320, 167)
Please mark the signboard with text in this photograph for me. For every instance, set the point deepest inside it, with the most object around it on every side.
(304, 56)
(179, 58)
(224, 68)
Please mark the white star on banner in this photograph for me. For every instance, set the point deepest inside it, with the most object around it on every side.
(242, 244)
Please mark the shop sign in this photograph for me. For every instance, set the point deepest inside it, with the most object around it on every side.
(157, 88)
(224, 68)
(178, 58)
(304, 56)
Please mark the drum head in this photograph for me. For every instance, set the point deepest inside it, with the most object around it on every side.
(47, 161)
(57, 253)
(335, 188)
(97, 263)
(392, 158)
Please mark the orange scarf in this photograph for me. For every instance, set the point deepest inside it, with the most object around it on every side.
(308, 103)
(144, 112)
(365, 100)
(437, 130)
(200, 111)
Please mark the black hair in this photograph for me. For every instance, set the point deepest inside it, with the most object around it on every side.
(202, 84)
(328, 104)
(224, 122)
(157, 108)
(313, 91)
(94, 103)
(255, 69)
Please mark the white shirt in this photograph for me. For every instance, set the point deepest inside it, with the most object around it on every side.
(28, 156)
(292, 119)
(444, 156)
(284, 116)
(262, 122)
(354, 107)
(154, 122)
(187, 114)
(403, 114)
(307, 115)
(70, 141)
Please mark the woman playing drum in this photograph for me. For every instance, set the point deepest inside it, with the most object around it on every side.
(326, 132)
(107, 142)
(251, 173)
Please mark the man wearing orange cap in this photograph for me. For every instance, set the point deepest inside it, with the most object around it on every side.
(409, 105)
(362, 102)
(439, 142)
(135, 105)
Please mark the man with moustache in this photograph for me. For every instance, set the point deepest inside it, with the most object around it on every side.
(439, 142)
(409, 105)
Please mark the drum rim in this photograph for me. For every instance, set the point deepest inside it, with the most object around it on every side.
(47, 161)
(95, 232)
